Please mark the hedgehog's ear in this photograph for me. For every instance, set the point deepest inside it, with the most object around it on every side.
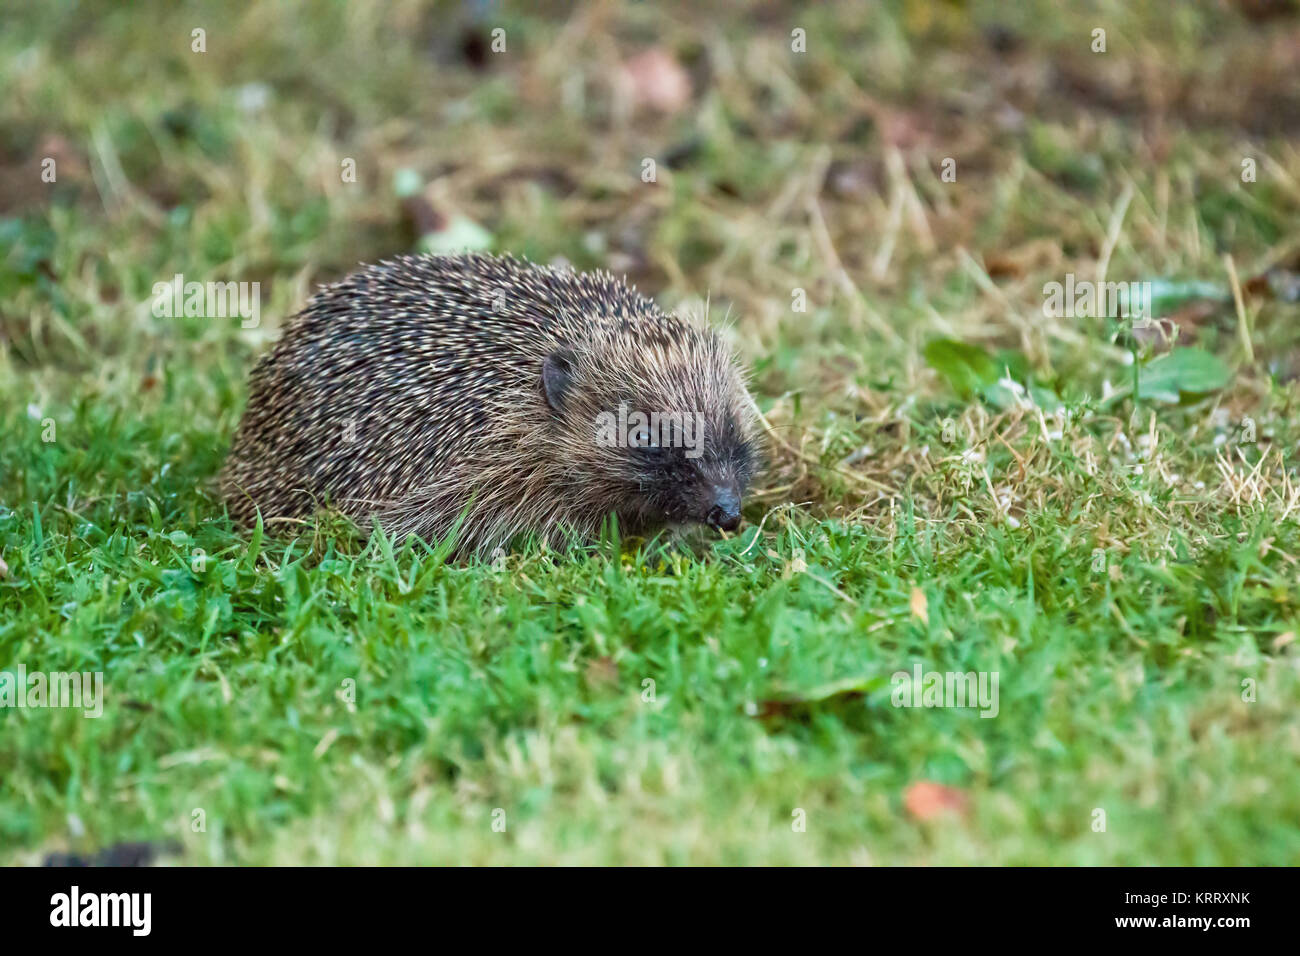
(557, 375)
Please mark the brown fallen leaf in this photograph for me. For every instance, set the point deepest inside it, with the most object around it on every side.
(1259, 11)
(1159, 335)
(655, 79)
(1277, 283)
(421, 217)
(920, 607)
(925, 800)
(1002, 267)
(1019, 261)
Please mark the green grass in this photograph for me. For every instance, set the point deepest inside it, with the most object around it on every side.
(1128, 569)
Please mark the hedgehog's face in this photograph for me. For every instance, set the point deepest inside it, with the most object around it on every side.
(666, 438)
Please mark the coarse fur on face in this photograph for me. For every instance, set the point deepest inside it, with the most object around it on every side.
(496, 398)
(669, 397)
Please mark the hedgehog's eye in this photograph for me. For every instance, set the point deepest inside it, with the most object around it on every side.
(643, 438)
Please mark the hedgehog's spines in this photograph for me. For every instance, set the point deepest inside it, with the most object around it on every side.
(412, 389)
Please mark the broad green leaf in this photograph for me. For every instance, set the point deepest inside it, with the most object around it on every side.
(406, 182)
(461, 235)
(967, 368)
(1182, 372)
(1167, 296)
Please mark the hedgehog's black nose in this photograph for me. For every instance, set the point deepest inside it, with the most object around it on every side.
(725, 513)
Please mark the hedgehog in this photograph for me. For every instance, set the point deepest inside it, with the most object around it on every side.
(488, 399)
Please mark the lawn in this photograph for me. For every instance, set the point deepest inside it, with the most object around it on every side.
(872, 199)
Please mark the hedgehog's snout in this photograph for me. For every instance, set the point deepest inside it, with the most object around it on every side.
(724, 515)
